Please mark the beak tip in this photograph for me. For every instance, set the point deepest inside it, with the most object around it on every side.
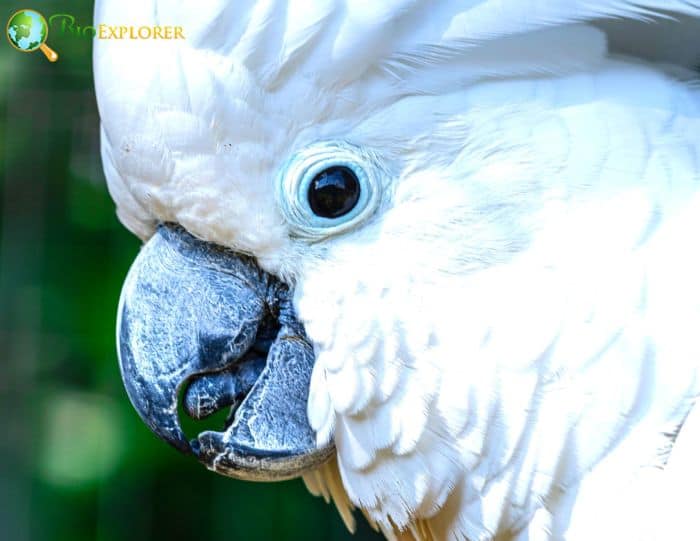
(167, 428)
(178, 441)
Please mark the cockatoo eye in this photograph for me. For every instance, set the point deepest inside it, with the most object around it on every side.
(334, 192)
(328, 188)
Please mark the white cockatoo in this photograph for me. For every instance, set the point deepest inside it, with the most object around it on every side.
(439, 258)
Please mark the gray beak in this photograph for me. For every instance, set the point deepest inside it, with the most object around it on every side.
(206, 323)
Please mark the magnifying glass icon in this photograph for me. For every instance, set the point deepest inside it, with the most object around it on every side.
(27, 31)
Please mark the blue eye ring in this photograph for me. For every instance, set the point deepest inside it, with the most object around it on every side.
(299, 173)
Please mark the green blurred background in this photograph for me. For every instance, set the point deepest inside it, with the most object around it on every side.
(76, 463)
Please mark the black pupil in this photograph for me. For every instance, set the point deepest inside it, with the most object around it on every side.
(334, 192)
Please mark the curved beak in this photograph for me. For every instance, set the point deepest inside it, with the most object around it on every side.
(206, 323)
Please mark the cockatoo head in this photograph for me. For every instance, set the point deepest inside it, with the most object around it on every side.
(314, 183)
(286, 161)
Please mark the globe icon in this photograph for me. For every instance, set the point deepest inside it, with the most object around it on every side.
(27, 31)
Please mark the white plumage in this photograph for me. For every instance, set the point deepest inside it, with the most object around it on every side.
(508, 346)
